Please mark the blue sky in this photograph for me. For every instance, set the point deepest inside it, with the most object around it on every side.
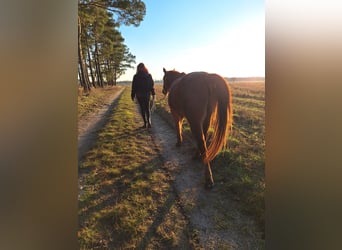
(218, 36)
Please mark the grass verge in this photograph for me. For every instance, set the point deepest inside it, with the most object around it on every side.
(240, 169)
(95, 99)
(127, 199)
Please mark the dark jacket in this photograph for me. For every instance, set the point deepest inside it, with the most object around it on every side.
(142, 85)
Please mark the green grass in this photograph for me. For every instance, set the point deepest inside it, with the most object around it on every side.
(127, 200)
(239, 170)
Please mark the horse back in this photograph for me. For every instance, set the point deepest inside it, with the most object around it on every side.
(195, 90)
(202, 85)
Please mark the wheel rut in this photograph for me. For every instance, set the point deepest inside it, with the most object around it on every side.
(217, 222)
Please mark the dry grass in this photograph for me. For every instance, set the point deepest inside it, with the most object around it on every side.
(95, 99)
(241, 168)
(127, 199)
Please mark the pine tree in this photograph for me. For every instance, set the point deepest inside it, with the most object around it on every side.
(107, 55)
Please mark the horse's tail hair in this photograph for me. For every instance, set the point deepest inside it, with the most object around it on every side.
(222, 118)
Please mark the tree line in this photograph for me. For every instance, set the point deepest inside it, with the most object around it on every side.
(102, 55)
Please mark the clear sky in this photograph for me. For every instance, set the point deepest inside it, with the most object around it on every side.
(218, 36)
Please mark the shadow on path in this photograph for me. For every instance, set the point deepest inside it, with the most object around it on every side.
(87, 138)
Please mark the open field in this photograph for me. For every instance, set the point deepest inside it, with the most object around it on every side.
(127, 197)
(241, 168)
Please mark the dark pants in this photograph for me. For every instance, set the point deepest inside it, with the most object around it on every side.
(144, 103)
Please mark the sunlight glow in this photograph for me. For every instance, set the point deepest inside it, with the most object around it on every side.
(235, 51)
(238, 52)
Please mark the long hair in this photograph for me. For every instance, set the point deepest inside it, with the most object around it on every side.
(142, 68)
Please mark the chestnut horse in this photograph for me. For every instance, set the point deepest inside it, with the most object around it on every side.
(205, 100)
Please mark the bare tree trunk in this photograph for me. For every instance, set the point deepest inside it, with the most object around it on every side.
(114, 76)
(97, 63)
(84, 74)
(96, 67)
(109, 76)
(90, 65)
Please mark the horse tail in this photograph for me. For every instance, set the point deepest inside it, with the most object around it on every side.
(222, 117)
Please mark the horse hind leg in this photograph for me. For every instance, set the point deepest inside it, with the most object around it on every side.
(179, 132)
(199, 136)
(179, 123)
(205, 128)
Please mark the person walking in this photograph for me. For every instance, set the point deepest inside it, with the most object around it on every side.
(142, 89)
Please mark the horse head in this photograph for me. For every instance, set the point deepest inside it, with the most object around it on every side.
(169, 78)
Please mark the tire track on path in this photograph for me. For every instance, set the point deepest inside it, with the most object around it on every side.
(90, 125)
(88, 128)
(217, 222)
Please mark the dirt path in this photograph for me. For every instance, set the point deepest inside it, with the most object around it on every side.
(89, 125)
(218, 223)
